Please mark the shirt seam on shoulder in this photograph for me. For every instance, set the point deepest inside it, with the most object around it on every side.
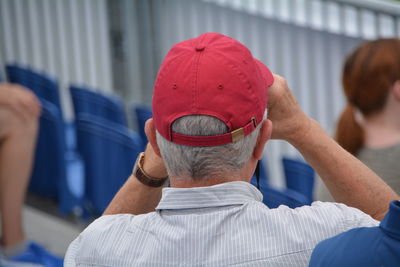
(91, 262)
(272, 257)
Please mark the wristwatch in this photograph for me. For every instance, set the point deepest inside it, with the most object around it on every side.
(143, 177)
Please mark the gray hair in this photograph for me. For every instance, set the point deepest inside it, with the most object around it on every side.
(205, 162)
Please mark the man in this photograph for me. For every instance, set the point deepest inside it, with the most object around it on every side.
(19, 113)
(209, 129)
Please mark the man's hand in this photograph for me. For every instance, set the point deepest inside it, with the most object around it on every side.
(289, 121)
(20, 101)
(153, 163)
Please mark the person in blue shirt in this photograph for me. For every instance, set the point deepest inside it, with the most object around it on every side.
(365, 246)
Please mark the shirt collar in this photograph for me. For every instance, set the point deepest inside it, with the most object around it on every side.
(391, 223)
(225, 194)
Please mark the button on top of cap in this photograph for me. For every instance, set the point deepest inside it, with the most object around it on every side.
(200, 47)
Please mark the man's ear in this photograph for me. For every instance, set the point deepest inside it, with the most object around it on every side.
(263, 137)
(396, 90)
(150, 131)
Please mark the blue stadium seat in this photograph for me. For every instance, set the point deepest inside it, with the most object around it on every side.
(273, 198)
(57, 173)
(109, 107)
(142, 114)
(299, 177)
(263, 172)
(49, 166)
(109, 151)
(70, 135)
(41, 84)
(18, 74)
(47, 87)
(72, 187)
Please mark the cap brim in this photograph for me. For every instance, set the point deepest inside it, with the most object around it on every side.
(265, 72)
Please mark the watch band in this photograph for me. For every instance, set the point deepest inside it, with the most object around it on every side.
(143, 177)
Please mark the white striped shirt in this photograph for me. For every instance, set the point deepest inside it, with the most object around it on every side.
(221, 225)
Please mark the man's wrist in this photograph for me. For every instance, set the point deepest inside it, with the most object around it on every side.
(301, 133)
(153, 165)
(144, 177)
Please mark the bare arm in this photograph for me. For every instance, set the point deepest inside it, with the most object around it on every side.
(135, 197)
(349, 180)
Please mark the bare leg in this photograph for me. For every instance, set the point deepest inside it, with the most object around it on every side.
(17, 144)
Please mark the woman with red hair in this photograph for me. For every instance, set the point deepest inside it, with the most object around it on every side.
(369, 127)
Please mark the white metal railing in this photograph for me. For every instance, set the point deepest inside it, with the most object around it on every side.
(67, 39)
(357, 18)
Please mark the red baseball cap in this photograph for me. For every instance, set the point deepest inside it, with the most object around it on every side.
(212, 75)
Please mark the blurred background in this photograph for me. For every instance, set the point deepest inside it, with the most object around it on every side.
(93, 63)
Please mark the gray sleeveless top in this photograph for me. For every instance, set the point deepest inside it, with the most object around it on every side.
(385, 162)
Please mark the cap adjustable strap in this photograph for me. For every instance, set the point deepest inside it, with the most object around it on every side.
(215, 140)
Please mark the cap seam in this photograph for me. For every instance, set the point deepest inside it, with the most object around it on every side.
(194, 83)
(196, 73)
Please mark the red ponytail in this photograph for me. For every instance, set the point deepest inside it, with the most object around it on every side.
(349, 133)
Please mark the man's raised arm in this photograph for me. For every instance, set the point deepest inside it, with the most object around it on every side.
(348, 179)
